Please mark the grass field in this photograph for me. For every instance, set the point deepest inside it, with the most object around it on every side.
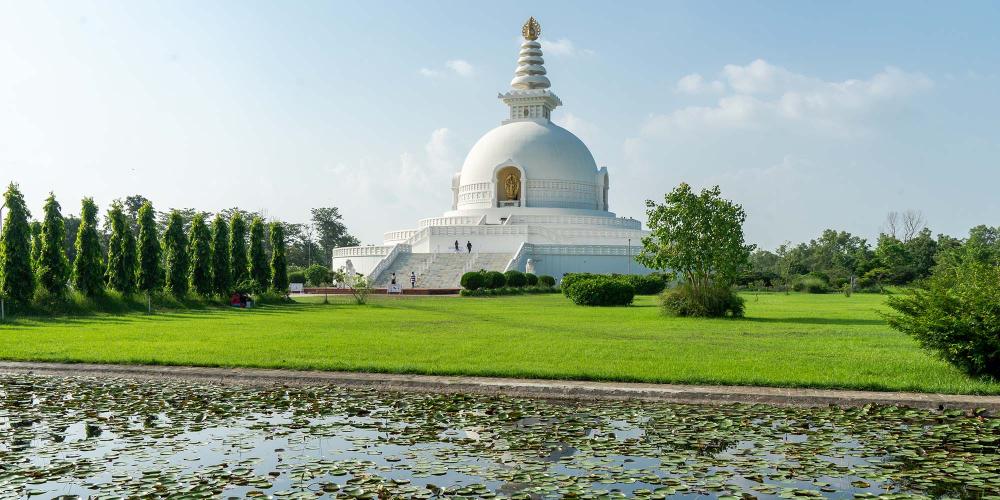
(794, 340)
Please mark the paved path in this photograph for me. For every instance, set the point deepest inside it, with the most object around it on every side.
(548, 389)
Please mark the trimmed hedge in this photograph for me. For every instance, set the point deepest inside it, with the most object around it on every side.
(546, 280)
(515, 278)
(473, 280)
(497, 292)
(650, 284)
(569, 279)
(494, 279)
(600, 291)
(531, 279)
(715, 302)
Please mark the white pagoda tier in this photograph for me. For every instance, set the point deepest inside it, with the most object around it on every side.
(529, 197)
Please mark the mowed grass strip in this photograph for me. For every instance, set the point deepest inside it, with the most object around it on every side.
(823, 341)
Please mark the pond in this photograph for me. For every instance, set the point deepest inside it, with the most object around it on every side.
(104, 437)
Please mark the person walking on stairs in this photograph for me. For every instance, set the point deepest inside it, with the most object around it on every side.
(456, 247)
(413, 279)
(468, 244)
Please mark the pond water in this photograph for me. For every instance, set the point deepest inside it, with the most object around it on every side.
(80, 437)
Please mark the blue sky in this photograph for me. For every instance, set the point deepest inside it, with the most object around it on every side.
(812, 115)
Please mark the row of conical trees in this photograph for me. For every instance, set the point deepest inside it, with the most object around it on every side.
(208, 259)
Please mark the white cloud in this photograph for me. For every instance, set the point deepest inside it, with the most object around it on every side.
(586, 130)
(695, 84)
(562, 47)
(458, 67)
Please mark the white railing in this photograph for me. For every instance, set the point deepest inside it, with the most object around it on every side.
(398, 236)
(585, 249)
(516, 259)
(387, 261)
(470, 220)
(363, 251)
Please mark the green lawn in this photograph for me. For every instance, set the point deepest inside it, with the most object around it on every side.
(786, 340)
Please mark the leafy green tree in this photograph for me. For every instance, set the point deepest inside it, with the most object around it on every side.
(72, 224)
(259, 272)
(317, 275)
(51, 264)
(88, 267)
(175, 255)
(221, 273)
(36, 241)
(121, 269)
(279, 267)
(200, 255)
(149, 274)
(238, 264)
(698, 236)
(17, 279)
(331, 231)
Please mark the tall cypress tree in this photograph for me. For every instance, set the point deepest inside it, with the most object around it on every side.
(120, 273)
(221, 273)
(238, 264)
(200, 254)
(51, 264)
(17, 279)
(36, 241)
(175, 255)
(279, 267)
(259, 272)
(88, 267)
(148, 273)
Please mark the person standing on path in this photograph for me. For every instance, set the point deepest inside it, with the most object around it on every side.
(468, 244)
(413, 279)
(456, 247)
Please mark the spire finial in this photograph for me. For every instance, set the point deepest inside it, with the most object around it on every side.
(531, 29)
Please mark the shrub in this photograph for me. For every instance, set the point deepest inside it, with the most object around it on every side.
(515, 278)
(317, 275)
(473, 280)
(547, 280)
(712, 302)
(297, 277)
(600, 291)
(530, 279)
(651, 284)
(570, 278)
(487, 292)
(955, 312)
(811, 284)
(494, 279)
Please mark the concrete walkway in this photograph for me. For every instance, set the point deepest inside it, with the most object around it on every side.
(547, 389)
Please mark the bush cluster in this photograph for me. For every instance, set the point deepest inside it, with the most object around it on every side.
(495, 292)
(600, 290)
(711, 302)
(650, 284)
(476, 283)
(811, 284)
(956, 313)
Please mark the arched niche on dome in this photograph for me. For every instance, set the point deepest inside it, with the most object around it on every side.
(509, 185)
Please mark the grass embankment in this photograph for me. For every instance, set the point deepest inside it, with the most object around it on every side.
(794, 340)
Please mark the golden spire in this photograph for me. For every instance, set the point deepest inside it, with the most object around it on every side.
(531, 29)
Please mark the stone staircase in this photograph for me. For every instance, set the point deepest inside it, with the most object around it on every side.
(440, 270)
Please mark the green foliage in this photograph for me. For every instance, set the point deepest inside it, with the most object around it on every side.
(361, 289)
(259, 271)
(176, 256)
(51, 265)
(36, 242)
(494, 279)
(88, 267)
(504, 291)
(200, 257)
(331, 231)
(238, 264)
(279, 267)
(473, 280)
(955, 313)
(547, 280)
(649, 284)
(712, 302)
(569, 279)
(149, 275)
(600, 291)
(297, 275)
(17, 279)
(530, 279)
(121, 269)
(222, 277)
(515, 278)
(699, 236)
(811, 284)
(317, 275)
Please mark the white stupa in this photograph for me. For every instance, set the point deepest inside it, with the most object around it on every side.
(529, 190)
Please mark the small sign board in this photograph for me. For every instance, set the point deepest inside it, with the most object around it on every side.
(395, 288)
(297, 287)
